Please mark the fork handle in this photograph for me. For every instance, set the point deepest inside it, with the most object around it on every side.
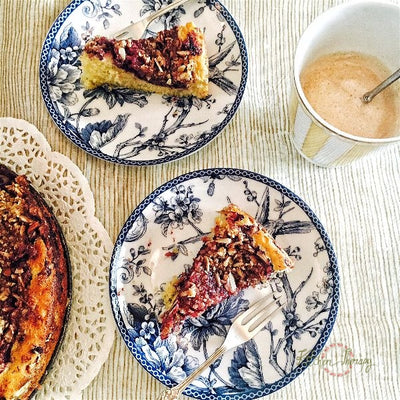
(174, 393)
(165, 9)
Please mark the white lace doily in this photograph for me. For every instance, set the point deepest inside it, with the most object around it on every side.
(90, 330)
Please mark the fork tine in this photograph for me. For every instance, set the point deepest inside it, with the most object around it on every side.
(135, 31)
(256, 308)
(249, 323)
(261, 321)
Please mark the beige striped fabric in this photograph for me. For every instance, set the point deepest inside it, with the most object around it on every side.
(358, 204)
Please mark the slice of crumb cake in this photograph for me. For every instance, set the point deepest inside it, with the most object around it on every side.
(240, 253)
(172, 63)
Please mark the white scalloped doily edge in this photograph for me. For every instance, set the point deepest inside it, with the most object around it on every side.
(90, 329)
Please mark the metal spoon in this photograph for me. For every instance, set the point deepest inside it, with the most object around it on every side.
(367, 97)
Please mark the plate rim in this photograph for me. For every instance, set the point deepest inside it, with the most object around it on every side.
(333, 262)
(45, 53)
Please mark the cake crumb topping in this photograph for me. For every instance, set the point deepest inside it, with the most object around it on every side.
(164, 60)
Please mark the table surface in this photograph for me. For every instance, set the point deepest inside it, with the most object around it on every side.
(357, 204)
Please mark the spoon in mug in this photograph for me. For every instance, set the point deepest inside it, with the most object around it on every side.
(367, 97)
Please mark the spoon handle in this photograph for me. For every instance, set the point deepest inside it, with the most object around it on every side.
(372, 93)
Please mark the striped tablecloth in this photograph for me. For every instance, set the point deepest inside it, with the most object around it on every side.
(359, 205)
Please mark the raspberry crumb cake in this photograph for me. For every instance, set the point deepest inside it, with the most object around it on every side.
(34, 286)
(240, 253)
(172, 63)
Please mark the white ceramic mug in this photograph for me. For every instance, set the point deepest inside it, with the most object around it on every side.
(368, 27)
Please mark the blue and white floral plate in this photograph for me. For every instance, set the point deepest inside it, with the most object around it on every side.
(161, 238)
(125, 126)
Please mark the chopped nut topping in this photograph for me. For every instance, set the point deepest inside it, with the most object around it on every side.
(182, 68)
(160, 60)
(222, 252)
(207, 264)
(17, 233)
(227, 261)
(217, 279)
(2, 325)
(224, 240)
(191, 292)
(122, 53)
(4, 294)
(158, 65)
(230, 283)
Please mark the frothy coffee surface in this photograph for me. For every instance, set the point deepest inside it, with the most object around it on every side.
(334, 85)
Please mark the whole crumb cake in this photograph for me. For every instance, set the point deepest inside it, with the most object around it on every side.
(33, 286)
(172, 63)
(240, 253)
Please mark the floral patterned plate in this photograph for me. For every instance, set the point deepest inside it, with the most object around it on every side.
(126, 126)
(161, 238)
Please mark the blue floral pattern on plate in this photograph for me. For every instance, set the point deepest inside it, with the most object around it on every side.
(160, 240)
(130, 127)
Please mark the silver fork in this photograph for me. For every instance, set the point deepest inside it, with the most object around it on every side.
(137, 30)
(244, 328)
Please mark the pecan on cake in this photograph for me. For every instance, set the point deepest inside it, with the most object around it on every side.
(240, 253)
(172, 63)
(34, 286)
